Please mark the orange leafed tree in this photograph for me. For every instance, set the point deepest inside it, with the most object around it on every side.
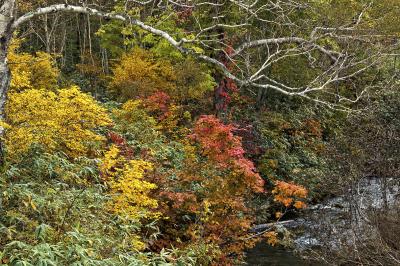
(208, 197)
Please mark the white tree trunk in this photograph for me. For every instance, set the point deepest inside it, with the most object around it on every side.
(6, 32)
(5, 77)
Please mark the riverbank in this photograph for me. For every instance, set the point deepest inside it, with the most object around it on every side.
(338, 226)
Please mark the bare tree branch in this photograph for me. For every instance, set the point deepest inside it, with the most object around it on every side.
(278, 48)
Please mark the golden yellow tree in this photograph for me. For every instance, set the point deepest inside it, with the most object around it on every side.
(65, 120)
(31, 71)
(130, 193)
(139, 73)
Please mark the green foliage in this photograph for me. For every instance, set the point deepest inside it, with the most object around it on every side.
(193, 80)
(143, 134)
(110, 36)
(54, 212)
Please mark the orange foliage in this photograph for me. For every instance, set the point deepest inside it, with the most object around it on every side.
(313, 128)
(158, 104)
(206, 199)
(272, 238)
(290, 194)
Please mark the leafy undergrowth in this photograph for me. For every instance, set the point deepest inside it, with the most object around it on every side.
(154, 180)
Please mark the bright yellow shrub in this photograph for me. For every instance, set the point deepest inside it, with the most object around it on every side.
(65, 120)
(130, 193)
(140, 74)
(31, 71)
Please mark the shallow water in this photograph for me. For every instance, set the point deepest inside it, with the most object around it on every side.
(265, 255)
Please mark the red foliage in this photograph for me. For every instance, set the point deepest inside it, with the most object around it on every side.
(220, 145)
(227, 86)
(250, 140)
(223, 93)
(158, 104)
(116, 138)
(205, 199)
(217, 139)
(178, 199)
(121, 143)
(185, 14)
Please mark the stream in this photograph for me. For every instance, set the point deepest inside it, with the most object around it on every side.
(332, 224)
(265, 255)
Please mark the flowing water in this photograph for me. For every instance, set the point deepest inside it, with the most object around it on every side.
(265, 255)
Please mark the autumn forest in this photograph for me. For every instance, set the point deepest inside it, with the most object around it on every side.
(190, 132)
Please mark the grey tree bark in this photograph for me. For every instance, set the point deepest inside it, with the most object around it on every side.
(6, 32)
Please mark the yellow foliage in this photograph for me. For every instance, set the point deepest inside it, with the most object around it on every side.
(31, 71)
(206, 212)
(140, 74)
(130, 193)
(109, 162)
(171, 123)
(133, 112)
(137, 243)
(65, 120)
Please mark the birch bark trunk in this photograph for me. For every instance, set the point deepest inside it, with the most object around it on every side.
(6, 20)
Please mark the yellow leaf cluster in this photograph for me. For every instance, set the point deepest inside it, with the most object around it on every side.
(139, 74)
(65, 120)
(130, 193)
(133, 112)
(31, 71)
